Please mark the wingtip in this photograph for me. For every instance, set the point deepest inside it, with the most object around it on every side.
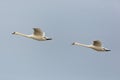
(36, 28)
(33, 28)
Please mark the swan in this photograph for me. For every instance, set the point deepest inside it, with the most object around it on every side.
(37, 35)
(97, 45)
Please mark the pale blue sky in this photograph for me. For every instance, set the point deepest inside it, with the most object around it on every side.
(65, 21)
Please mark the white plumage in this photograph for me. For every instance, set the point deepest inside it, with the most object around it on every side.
(97, 45)
(37, 35)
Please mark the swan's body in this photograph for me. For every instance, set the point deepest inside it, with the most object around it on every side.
(37, 35)
(97, 45)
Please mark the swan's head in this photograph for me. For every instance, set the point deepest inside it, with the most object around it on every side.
(16, 33)
(13, 32)
(74, 43)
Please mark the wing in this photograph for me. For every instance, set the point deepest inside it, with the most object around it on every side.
(97, 43)
(38, 31)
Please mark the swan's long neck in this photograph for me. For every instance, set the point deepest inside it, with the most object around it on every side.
(21, 34)
(79, 44)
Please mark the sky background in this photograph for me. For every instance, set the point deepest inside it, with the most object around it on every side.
(65, 21)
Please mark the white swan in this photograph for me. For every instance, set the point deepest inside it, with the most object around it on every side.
(97, 45)
(37, 35)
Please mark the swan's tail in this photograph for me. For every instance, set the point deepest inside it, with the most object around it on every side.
(48, 38)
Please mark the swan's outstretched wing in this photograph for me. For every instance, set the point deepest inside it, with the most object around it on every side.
(97, 43)
(38, 31)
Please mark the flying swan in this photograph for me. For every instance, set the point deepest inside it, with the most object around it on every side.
(37, 35)
(97, 45)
